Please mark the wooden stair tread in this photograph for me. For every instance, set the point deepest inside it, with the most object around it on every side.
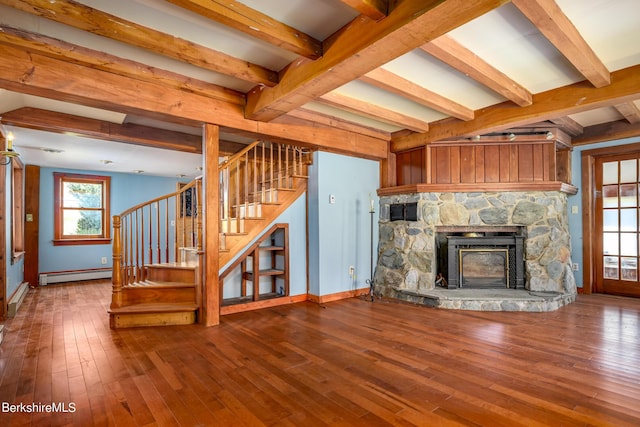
(155, 307)
(147, 284)
(177, 264)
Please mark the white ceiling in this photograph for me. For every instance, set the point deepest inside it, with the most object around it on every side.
(504, 38)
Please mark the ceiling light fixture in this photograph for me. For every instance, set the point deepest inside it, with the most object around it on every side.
(9, 153)
(549, 135)
(106, 162)
(512, 136)
(52, 150)
(138, 171)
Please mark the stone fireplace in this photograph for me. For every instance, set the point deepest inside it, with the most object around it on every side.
(505, 251)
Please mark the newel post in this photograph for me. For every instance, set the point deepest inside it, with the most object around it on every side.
(116, 276)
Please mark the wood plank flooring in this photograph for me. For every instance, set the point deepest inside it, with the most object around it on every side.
(345, 363)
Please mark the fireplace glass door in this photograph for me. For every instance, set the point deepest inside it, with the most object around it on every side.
(617, 182)
(484, 268)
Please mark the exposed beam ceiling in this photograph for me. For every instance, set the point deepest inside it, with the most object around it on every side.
(116, 28)
(548, 17)
(361, 47)
(547, 105)
(249, 21)
(358, 77)
(462, 59)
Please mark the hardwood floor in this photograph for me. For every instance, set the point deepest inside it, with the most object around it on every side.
(349, 362)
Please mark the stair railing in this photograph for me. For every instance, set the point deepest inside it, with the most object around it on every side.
(155, 232)
(252, 177)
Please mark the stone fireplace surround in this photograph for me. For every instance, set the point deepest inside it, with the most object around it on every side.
(407, 264)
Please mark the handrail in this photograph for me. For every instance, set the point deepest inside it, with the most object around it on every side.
(182, 190)
(225, 163)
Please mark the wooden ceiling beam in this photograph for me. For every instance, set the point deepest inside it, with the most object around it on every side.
(610, 131)
(574, 98)
(51, 121)
(311, 118)
(393, 83)
(374, 9)
(39, 75)
(560, 31)
(362, 46)
(568, 125)
(104, 24)
(375, 112)
(255, 24)
(55, 48)
(468, 63)
(630, 111)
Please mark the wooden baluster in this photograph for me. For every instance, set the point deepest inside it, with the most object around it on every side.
(286, 166)
(130, 256)
(245, 185)
(271, 172)
(199, 216)
(166, 228)
(150, 235)
(255, 181)
(279, 166)
(158, 245)
(237, 196)
(262, 183)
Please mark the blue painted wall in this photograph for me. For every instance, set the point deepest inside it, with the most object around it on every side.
(127, 190)
(575, 220)
(340, 232)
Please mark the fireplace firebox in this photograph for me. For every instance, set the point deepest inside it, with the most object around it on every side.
(482, 260)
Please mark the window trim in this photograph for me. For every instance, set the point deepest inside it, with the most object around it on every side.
(105, 237)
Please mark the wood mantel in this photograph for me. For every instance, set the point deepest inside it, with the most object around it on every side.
(479, 187)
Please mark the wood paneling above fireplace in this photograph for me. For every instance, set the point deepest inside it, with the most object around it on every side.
(469, 162)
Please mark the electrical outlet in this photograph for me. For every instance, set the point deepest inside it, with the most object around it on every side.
(332, 199)
(104, 260)
(352, 271)
(575, 266)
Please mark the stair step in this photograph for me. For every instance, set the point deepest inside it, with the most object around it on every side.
(153, 314)
(147, 284)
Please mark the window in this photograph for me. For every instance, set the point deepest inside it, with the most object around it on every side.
(81, 209)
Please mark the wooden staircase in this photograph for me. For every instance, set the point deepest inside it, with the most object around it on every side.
(157, 246)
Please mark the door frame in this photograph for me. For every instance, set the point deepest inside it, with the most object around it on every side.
(589, 205)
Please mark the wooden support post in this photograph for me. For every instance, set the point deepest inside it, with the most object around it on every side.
(211, 267)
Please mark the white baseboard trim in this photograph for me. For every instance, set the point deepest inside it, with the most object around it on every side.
(73, 276)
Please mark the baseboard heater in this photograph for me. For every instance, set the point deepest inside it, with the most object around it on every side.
(16, 300)
(74, 276)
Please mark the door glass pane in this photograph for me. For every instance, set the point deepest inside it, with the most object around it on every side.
(628, 195)
(628, 171)
(610, 220)
(610, 196)
(610, 267)
(628, 219)
(629, 244)
(610, 243)
(610, 173)
(629, 268)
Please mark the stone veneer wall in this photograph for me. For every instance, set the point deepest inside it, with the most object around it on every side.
(406, 251)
